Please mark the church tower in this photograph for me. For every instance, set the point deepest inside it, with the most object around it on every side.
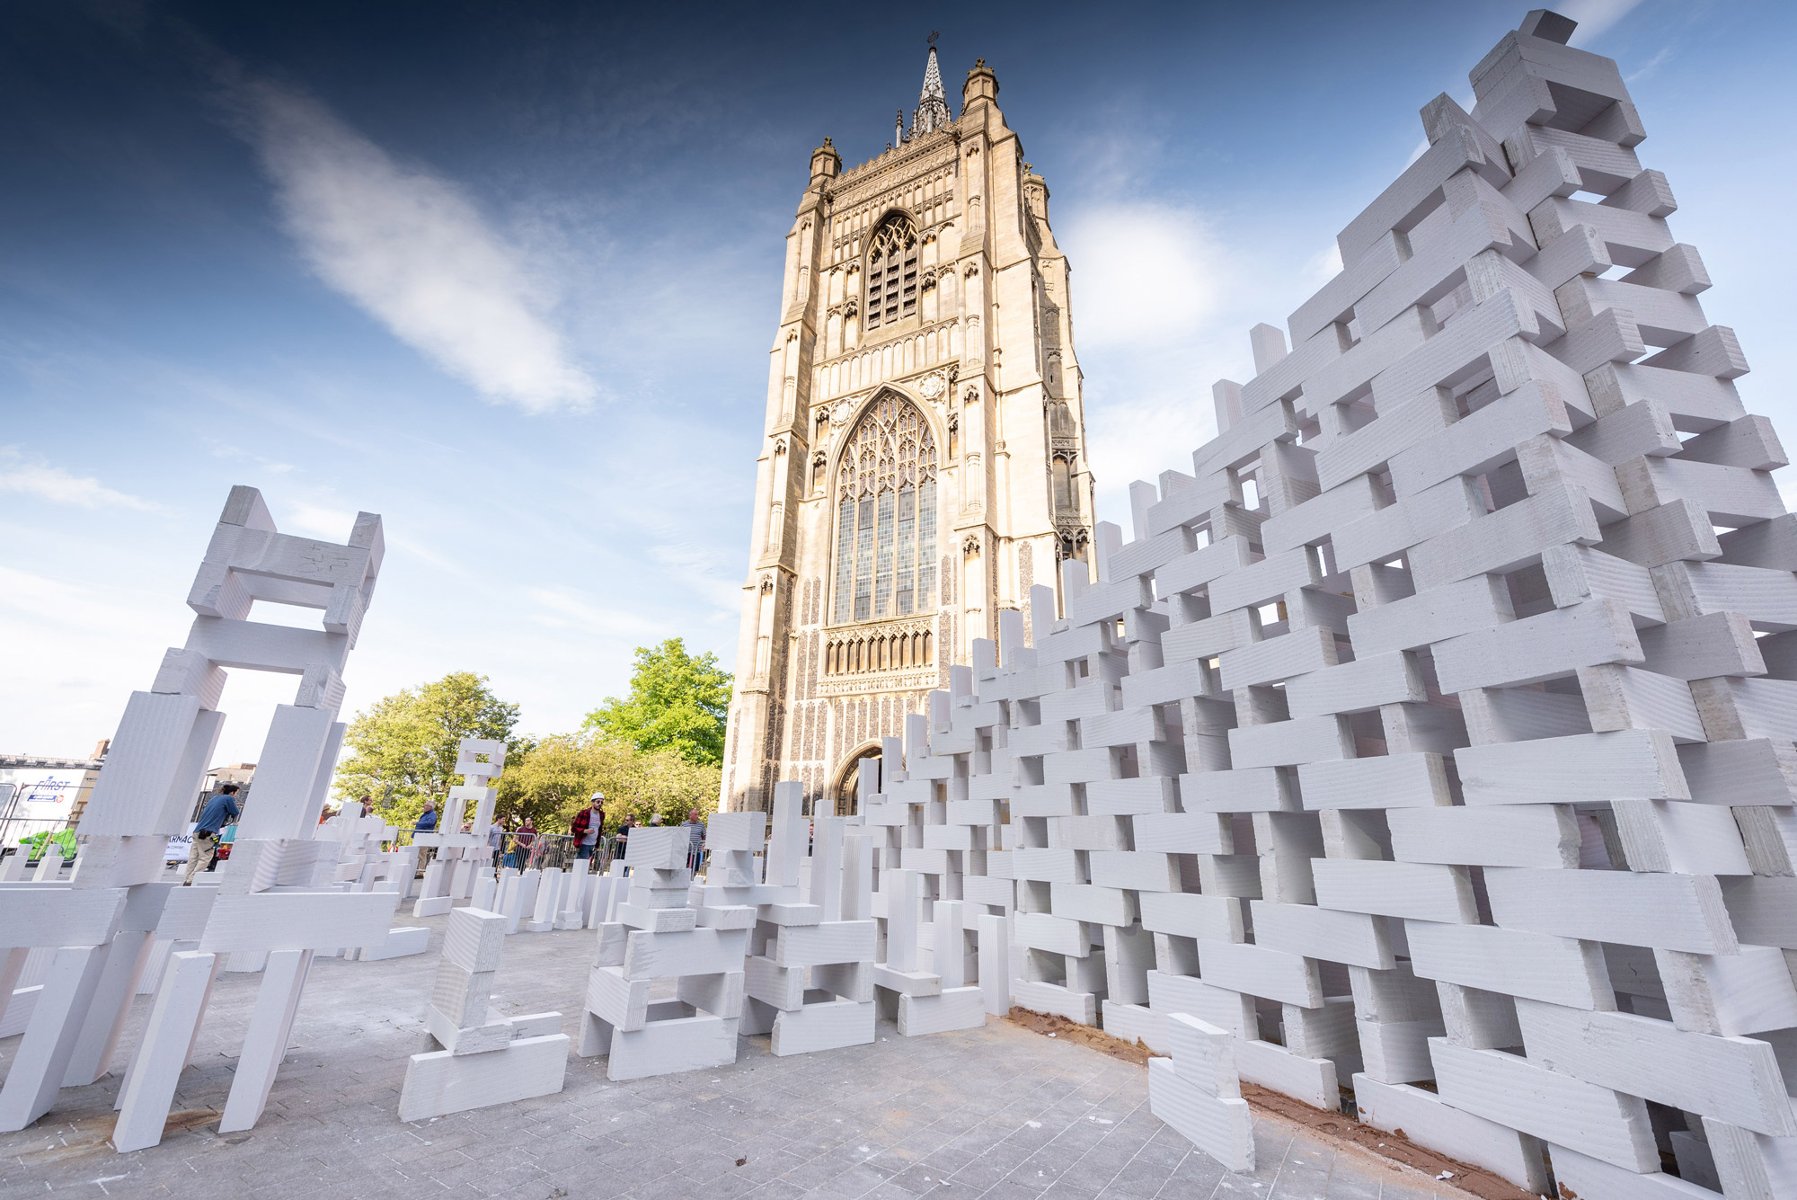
(924, 459)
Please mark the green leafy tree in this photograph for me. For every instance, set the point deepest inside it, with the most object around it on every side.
(558, 775)
(403, 749)
(677, 702)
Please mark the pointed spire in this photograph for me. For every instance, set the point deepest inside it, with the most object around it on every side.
(932, 106)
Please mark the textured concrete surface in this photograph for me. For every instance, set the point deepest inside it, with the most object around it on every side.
(997, 1113)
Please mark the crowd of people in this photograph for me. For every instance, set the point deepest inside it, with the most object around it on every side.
(522, 845)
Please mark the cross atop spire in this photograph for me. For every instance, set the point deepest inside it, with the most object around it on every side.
(932, 106)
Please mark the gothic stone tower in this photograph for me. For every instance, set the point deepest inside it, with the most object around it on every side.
(924, 460)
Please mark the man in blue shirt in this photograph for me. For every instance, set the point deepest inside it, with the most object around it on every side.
(427, 823)
(219, 812)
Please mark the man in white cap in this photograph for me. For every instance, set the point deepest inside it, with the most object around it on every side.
(588, 826)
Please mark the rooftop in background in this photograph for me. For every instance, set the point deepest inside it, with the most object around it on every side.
(30, 762)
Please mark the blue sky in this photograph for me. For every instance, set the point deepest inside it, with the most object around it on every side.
(507, 274)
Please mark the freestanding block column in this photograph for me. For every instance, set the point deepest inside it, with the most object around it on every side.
(657, 936)
(484, 1060)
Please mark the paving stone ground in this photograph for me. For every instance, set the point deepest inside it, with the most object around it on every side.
(997, 1113)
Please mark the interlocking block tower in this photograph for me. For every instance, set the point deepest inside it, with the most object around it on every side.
(461, 857)
(484, 1059)
(270, 909)
(925, 976)
(657, 936)
(810, 970)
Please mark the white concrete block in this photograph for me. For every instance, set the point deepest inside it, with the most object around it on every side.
(953, 1008)
(1221, 1127)
(826, 1025)
(440, 1083)
(666, 1047)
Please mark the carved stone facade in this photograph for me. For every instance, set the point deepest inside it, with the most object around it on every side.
(923, 460)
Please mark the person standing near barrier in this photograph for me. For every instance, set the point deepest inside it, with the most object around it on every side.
(523, 842)
(219, 812)
(495, 840)
(620, 843)
(695, 829)
(587, 827)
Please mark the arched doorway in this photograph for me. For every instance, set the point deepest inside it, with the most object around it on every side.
(848, 780)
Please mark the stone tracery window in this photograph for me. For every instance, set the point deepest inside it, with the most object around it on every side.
(886, 515)
(891, 272)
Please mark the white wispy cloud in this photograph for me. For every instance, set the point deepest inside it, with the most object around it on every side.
(1146, 273)
(561, 608)
(1164, 294)
(76, 652)
(219, 448)
(1325, 266)
(312, 519)
(1595, 17)
(412, 250)
(697, 568)
(26, 474)
(326, 523)
(1646, 69)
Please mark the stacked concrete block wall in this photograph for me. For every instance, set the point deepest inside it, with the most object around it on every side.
(927, 976)
(1432, 736)
(482, 1058)
(810, 969)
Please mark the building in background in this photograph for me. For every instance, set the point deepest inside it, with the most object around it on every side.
(238, 773)
(923, 463)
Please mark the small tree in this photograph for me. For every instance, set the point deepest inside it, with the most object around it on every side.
(677, 702)
(403, 749)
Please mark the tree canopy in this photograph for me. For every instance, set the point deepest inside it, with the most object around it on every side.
(557, 775)
(677, 702)
(403, 749)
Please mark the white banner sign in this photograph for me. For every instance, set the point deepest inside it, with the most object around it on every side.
(178, 846)
(42, 793)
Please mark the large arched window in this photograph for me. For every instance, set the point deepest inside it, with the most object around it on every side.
(886, 515)
(891, 272)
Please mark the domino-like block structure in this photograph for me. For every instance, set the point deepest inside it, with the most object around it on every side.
(364, 867)
(271, 908)
(461, 858)
(657, 936)
(483, 1059)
